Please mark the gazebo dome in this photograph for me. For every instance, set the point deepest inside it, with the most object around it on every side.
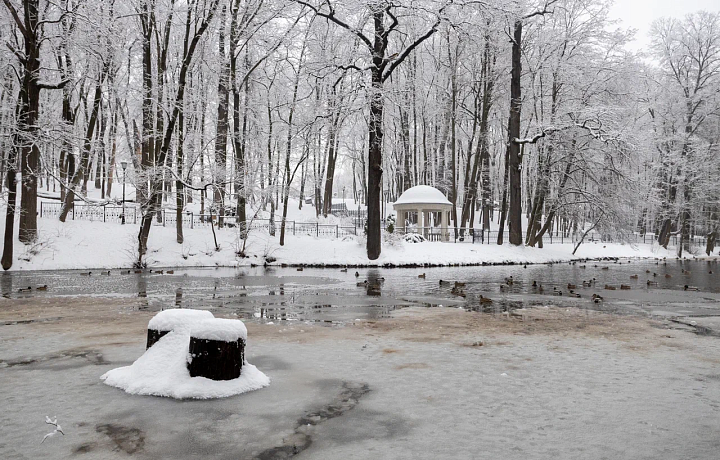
(423, 194)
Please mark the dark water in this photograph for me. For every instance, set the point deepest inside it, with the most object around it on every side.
(331, 295)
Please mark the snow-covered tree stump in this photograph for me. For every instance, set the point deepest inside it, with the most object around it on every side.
(217, 349)
(173, 319)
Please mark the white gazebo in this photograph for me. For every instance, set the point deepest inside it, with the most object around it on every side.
(425, 210)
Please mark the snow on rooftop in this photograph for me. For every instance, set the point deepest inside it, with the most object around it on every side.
(422, 194)
(162, 371)
(178, 318)
(225, 330)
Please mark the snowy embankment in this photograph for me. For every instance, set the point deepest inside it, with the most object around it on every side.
(88, 245)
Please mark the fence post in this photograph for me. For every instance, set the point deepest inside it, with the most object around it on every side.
(73, 210)
(192, 220)
(337, 231)
(104, 213)
(293, 228)
(163, 217)
(317, 228)
(41, 209)
(135, 216)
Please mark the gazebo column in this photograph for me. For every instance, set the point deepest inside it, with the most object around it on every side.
(426, 224)
(444, 225)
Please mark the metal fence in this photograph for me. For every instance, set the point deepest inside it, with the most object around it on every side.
(168, 218)
(104, 213)
(479, 236)
(113, 213)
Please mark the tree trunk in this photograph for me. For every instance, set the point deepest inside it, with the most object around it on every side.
(513, 147)
(80, 174)
(222, 126)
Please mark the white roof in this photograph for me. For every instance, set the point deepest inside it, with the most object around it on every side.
(422, 194)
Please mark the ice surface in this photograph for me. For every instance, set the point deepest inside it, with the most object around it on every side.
(178, 318)
(162, 371)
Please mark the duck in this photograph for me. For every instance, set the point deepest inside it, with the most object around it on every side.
(138, 271)
(459, 284)
(571, 286)
(687, 272)
(42, 288)
(357, 274)
(444, 283)
(557, 293)
(654, 274)
(690, 288)
(343, 270)
(605, 268)
(647, 271)
(300, 269)
(27, 289)
(422, 276)
(363, 284)
(582, 266)
(596, 298)
(610, 288)
(534, 284)
(652, 283)
(634, 277)
(541, 289)
(170, 272)
(668, 275)
(457, 291)
(485, 300)
(503, 288)
(106, 273)
(509, 281)
(86, 274)
(625, 287)
(576, 295)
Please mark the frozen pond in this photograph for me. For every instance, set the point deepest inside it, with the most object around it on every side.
(333, 295)
(424, 383)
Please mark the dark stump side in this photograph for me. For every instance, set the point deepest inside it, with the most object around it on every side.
(215, 359)
(153, 336)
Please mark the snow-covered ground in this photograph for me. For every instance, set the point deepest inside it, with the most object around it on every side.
(86, 245)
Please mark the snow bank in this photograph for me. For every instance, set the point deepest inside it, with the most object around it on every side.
(176, 319)
(162, 371)
(224, 330)
(95, 245)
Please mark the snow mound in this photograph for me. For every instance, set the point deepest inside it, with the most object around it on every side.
(225, 330)
(178, 318)
(423, 194)
(162, 371)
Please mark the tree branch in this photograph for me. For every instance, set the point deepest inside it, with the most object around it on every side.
(331, 17)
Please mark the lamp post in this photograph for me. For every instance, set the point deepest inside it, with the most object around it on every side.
(124, 167)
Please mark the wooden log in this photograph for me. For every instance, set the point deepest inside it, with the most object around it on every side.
(153, 335)
(216, 359)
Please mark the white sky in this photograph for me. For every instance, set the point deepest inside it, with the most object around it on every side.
(639, 14)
